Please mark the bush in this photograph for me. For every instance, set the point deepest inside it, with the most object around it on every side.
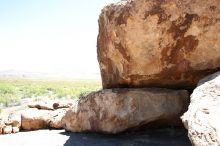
(12, 90)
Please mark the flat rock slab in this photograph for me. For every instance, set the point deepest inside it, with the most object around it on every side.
(116, 110)
(151, 137)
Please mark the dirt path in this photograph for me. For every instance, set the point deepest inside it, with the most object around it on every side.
(156, 137)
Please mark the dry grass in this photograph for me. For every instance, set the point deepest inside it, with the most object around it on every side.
(13, 90)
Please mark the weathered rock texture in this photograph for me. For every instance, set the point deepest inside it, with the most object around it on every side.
(10, 123)
(14, 119)
(115, 110)
(34, 119)
(161, 43)
(203, 117)
(38, 115)
(51, 104)
(2, 125)
(55, 119)
(7, 129)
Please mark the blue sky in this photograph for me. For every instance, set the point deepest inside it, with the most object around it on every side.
(51, 36)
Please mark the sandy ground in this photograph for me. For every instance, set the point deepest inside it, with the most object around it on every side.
(151, 137)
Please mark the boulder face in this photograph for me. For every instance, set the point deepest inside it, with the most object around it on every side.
(14, 119)
(203, 116)
(7, 129)
(2, 125)
(115, 110)
(160, 43)
(34, 119)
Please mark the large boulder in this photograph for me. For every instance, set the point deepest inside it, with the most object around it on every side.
(115, 110)
(203, 116)
(160, 43)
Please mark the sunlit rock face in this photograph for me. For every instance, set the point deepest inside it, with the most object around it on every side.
(39, 115)
(34, 119)
(116, 110)
(203, 116)
(161, 43)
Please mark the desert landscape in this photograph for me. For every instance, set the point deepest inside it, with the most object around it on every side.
(159, 83)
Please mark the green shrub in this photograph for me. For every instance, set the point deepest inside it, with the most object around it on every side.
(12, 90)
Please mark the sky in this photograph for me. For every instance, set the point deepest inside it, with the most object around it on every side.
(50, 36)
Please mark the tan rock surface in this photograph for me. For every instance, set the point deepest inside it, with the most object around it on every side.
(115, 110)
(160, 43)
(2, 124)
(14, 119)
(1, 129)
(7, 129)
(63, 104)
(203, 116)
(15, 129)
(34, 119)
(42, 114)
(43, 105)
(55, 119)
(51, 104)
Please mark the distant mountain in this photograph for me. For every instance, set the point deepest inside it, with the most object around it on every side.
(38, 75)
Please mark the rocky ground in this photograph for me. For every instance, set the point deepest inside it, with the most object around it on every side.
(151, 137)
(165, 136)
(34, 116)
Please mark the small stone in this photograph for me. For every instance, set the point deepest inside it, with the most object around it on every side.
(7, 130)
(14, 119)
(63, 104)
(15, 129)
(43, 105)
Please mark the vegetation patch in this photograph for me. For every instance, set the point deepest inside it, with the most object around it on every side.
(13, 90)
